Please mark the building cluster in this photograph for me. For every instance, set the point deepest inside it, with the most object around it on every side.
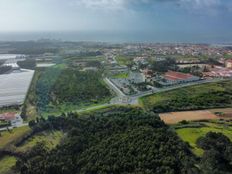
(173, 78)
(14, 119)
(175, 49)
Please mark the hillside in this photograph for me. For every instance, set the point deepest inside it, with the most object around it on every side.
(119, 141)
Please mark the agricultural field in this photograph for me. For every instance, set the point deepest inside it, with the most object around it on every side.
(176, 117)
(14, 86)
(204, 96)
(191, 134)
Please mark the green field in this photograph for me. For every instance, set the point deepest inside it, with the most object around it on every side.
(6, 164)
(8, 139)
(50, 138)
(121, 76)
(191, 135)
(211, 95)
(124, 60)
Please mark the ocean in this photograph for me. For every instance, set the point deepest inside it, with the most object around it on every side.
(120, 37)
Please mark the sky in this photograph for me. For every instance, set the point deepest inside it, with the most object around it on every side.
(200, 18)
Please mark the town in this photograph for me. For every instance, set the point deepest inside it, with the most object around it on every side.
(130, 70)
(184, 84)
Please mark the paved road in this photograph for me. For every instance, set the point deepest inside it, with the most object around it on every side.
(134, 98)
(11, 127)
(123, 99)
(114, 87)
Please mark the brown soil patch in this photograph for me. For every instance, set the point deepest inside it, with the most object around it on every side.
(176, 117)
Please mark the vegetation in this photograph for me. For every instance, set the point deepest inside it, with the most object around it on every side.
(192, 134)
(29, 109)
(60, 89)
(84, 58)
(27, 64)
(6, 164)
(217, 158)
(50, 138)
(77, 87)
(124, 60)
(203, 96)
(121, 76)
(164, 65)
(44, 85)
(228, 56)
(32, 48)
(14, 108)
(120, 141)
(11, 137)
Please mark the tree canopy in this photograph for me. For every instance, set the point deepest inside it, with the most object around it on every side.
(122, 141)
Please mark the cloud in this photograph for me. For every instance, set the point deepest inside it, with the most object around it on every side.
(201, 3)
(197, 5)
(101, 4)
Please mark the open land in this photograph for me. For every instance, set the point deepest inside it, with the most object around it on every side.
(12, 137)
(176, 117)
(50, 138)
(191, 134)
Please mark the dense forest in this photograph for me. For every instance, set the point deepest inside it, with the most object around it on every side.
(120, 141)
(217, 158)
(57, 86)
(78, 87)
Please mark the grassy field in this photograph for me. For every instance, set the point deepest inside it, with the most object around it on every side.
(204, 96)
(6, 164)
(50, 138)
(121, 76)
(191, 135)
(124, 60)
(10, 138)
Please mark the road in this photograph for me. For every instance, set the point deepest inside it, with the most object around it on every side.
(11, 127)
(122, 99)
(133, 99)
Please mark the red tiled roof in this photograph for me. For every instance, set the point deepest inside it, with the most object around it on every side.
(230, 61)
(7, 116)
(172, 75)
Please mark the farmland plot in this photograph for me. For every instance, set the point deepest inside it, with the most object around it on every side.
(14, 87)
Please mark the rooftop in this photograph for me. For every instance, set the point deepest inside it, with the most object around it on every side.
(8, 116)
(172, 75)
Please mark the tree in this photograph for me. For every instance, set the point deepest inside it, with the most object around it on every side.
(217, 158)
